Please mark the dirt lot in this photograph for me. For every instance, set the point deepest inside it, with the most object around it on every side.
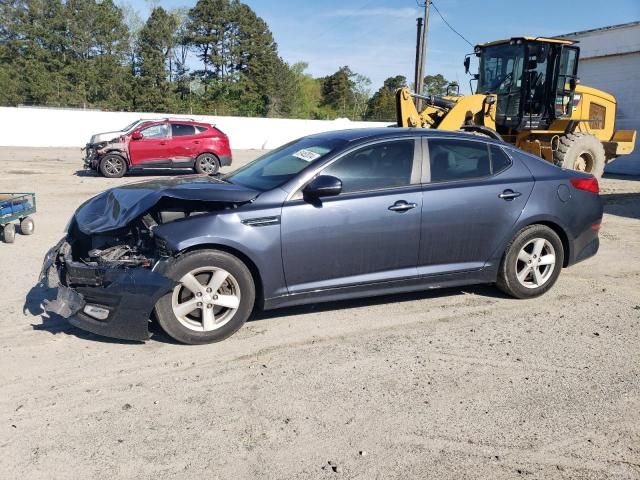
(458, 383)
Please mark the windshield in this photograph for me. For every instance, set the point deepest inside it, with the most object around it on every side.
(130, 126)
(501, 69)
(281, 165)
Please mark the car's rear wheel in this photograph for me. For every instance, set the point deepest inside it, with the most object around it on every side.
(207, 163)
(113, 166)
(213, 299)
(531, 263)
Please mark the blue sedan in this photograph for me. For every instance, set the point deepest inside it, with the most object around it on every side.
(331, 216)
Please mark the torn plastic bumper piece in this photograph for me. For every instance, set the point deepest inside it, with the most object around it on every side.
(113, 302)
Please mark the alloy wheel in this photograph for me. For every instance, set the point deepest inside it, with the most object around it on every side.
(535, 263)
(113, 166)
(208, 164)
(206, 299)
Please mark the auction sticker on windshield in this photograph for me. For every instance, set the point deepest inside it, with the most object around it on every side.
(307, 155)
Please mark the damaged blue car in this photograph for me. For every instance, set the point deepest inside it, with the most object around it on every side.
(327, 217)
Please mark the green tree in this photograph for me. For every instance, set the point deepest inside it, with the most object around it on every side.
(435, 84)
(382, 106)
(207, 28)
(155, 43)
(337, 91)
(307, 93)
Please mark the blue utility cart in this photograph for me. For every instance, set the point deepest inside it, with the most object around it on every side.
(16, 207)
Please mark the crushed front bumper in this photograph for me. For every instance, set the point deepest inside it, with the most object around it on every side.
(125, 296)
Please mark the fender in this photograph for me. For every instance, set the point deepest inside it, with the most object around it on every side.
(259, 244)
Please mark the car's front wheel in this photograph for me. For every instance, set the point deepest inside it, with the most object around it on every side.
(214, 297)
(113, 166)
(531, 262)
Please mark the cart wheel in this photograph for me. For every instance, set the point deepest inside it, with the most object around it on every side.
(27, 226)
(9, 233)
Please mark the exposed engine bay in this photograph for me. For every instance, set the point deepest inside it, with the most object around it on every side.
(135, 245)
(116, 228)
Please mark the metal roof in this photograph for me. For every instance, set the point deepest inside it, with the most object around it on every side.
(601, 29)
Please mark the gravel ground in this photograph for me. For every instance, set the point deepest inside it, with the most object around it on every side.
(456, 383)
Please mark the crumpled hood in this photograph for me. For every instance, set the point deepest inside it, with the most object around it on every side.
(105, 136)
(117, 207)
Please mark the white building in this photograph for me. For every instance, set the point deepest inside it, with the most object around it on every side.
(610, 61)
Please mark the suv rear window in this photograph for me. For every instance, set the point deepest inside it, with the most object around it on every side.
(182, 130)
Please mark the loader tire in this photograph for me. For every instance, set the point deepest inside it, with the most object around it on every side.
(581, 152)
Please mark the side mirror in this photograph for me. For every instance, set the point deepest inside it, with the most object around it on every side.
(467, 64)
(137, 136)
(323, 186)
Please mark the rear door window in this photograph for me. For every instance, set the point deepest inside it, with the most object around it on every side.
(182, 130)
(453, 160)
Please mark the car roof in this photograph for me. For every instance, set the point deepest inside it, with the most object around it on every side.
(357, 135)
(180, 120)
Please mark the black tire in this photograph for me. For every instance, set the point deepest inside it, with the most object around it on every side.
(192, 262)
(581, 152)
(27, 226)
(9, 233)
(113, 166)
(207, 163)
(508, 280)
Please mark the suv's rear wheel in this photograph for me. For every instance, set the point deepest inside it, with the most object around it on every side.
(213, 299)
(113, 166)
(207, 163)
(531, 263)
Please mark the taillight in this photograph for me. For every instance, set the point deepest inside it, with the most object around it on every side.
(589, 184)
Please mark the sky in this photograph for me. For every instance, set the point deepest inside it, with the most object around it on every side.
(376, 38)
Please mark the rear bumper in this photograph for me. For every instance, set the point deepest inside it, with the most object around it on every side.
(127, 294)
(585, 246)
(225, 160)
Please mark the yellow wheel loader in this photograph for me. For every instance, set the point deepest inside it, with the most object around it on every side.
(528, 94)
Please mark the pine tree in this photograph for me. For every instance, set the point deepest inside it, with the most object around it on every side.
(382, 106)
(155, 42)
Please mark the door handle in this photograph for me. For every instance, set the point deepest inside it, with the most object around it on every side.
(402, 206)
(509, 195)
(196, 141)
(163, 143)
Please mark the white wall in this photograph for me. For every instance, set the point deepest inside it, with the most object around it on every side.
(607, 41)
(44, 127)
(620, 76)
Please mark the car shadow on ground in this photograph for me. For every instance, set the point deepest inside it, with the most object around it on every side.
(55, 324)
(480, 290)
(622, 204)
(156, 172)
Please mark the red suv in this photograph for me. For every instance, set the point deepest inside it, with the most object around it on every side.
(165, 144)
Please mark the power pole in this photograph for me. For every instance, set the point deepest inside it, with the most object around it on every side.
(423, 54)
(416, 78)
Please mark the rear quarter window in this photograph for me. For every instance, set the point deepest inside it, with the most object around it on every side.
(499, 160)
(182, 130)
(201, 129)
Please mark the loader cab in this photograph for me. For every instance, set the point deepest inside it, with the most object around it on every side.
(534, 80)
